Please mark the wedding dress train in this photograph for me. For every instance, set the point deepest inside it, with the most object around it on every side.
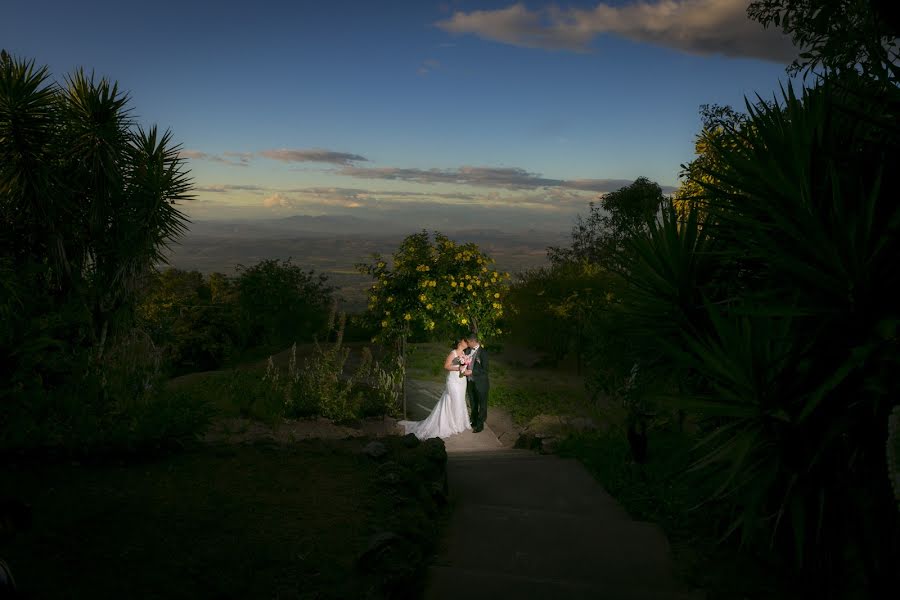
(448, 417)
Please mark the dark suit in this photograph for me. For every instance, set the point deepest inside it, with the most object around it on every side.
(478, 386)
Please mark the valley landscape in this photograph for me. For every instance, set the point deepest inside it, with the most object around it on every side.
(334, 245)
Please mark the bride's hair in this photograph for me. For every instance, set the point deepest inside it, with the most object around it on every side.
(456, 341)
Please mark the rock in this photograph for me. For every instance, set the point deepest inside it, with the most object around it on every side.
(392, 474)
(440, 491)
(548, 445)
(528, 441)
(394, 558)
(545, 426)
(376, 546)
(435, 450)
(580, 424)
(374, 449)
(410, 440)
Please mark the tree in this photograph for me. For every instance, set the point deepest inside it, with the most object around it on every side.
(553, 309)
(438, 286)
(717, 126)
(280, 302)
(435, 287)
(837, 35)
(192, 318)
(88, 199)
(598, 237)
(88, 202)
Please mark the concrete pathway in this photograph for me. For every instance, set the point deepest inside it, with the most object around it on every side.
(527, 526)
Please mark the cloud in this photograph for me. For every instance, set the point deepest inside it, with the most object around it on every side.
(501, 177)
(510, 178)
(596, 185)
(701, 27)
(278, 200)
(428, 66)
(193, 154)
(226, 188)
(232, 159)
(313, 155)
(241, 159)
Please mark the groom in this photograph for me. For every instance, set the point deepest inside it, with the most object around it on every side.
(477, 382)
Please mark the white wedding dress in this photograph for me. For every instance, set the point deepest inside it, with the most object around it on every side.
(449, 416)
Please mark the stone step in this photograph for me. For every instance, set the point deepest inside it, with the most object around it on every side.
(534, 482)
(449, 583)
(557, 546)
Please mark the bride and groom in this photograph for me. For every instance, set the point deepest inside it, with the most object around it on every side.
(467, 376)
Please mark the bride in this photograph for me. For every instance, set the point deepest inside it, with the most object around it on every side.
(449, 416)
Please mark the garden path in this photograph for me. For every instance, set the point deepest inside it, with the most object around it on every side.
(525, 525)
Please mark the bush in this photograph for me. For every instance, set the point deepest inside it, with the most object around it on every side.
(380, 387)
(117, 404)
(191, 317)
(280, 302)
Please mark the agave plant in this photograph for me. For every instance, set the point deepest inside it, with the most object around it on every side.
(787, 335)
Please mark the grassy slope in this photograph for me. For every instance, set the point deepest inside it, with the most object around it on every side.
(519, 382)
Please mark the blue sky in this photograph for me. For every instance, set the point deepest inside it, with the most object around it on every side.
(478, 112)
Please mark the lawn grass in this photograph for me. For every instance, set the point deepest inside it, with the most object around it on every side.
(213, 522)
(523, 391)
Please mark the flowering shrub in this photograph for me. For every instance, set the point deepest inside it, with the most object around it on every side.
(435, 287)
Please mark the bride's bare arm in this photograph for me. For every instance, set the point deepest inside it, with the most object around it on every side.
(448, 364)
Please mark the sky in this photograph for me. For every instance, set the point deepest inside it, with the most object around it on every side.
(432, 114)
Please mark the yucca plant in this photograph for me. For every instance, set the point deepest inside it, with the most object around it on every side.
(789, 349)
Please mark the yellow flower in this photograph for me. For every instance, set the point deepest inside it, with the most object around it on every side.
(387, 313)
(384, 323)
(452, 284)
(390, 298)
(499, 331)
(469, 287)
(407, 317)
(496, 305)
(428, 306)
(381, 265)
(432, 283)
(421, 297)
(497, 295)
(431, 325)
(463, 321)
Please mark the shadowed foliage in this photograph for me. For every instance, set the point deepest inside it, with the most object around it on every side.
(88, 202)
(773, 302)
